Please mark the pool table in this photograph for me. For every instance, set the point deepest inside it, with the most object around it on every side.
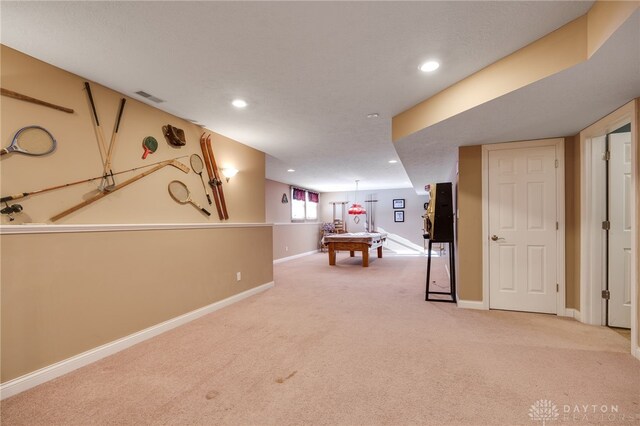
(359, 241)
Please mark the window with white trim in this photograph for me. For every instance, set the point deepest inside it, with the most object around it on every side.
(304, 205)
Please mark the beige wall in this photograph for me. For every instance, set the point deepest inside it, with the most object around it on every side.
(65, 293)
(78, 157)
(275, 210)
(290, 239)
(469, 223)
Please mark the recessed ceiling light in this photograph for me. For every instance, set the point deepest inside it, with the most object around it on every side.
(429, 66)
(239, 103)
(291, 170)
(373, 115)
(393, 161)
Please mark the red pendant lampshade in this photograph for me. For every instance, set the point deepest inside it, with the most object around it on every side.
(356, 208)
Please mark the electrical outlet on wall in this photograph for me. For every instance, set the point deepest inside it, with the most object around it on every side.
(286, 248)
(238, 276)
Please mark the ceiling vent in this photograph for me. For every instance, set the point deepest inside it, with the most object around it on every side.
(149, 96)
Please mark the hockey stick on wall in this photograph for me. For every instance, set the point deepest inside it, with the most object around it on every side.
(78, 182)
(21, 97)
(128, 182)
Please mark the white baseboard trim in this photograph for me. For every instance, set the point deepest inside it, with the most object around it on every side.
(43, 228)
(472, 304)
(572, 313)
(30, 380)
(295, 256)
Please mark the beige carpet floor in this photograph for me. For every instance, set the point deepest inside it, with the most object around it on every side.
(347, 345)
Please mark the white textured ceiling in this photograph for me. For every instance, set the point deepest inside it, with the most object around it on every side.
(560, 105)
(311, 71)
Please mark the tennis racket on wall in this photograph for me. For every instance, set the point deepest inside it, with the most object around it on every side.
(197, 166)
(181, 194)
(31, 140)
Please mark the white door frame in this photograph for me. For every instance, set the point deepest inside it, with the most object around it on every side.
(558, 143)
(590, 298)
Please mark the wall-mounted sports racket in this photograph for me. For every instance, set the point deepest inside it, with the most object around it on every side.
(197, 165)
(31, 140)
(150, 145)
(181, 194)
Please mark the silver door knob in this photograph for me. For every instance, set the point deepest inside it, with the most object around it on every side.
(495, 238)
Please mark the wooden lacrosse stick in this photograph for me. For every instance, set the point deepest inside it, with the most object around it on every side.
(21, 97)
(112, 143)
(212, 182)
(217, 178)
(96, 124)
(106, 155)
(127, 182)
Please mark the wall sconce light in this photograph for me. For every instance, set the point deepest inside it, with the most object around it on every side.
(229, 172)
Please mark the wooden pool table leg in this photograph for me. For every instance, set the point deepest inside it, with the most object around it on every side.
(365, 256)
(332, 255)
(380, 252)
(351, 253)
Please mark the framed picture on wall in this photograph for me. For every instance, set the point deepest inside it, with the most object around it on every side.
(398, 216)
(398, 203)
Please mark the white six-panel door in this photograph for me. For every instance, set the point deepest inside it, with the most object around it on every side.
(620, 230)
(522, 227)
